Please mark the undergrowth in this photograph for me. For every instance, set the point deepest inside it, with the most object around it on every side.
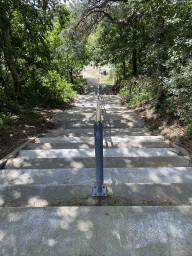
(49, 90)
(137, 90)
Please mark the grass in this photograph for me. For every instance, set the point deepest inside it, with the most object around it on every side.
(6, 119)
(102, 78)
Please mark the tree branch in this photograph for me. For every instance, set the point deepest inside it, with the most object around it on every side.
(126, 20)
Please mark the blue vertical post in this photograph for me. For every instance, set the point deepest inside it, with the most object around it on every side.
(99, 154)
(99, 189)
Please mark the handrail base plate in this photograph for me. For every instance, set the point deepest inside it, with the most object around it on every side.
(103, 193)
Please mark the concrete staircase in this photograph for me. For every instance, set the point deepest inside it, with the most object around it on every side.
(46, 199)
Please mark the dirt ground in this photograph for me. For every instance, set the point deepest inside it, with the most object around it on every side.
(21, 130)
(168, 127)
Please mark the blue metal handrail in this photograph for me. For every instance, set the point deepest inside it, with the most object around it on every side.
(99, 189)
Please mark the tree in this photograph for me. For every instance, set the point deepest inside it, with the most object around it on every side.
(29, 32)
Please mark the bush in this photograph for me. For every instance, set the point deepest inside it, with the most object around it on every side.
(6, 119)
(138, 89)
(179, 83)
(78, 85)
(179, 93)
(50, 89)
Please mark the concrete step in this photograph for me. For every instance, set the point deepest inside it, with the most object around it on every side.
(87, 176)
(75, 115)
(109, 231)
(103, 104)
(122, 123)
(93, 98)
(91, 101)
(106, 123)
(89, 162)
(84, 97)
(107, 152)
(91, 145)
(128, 194)
(87, 114)
(121, 115)
(103, 101)
(83, 113)
(88, 110)
(89, 142)
(119, 139)
(92, 105)
(90, 98)
(78, 132)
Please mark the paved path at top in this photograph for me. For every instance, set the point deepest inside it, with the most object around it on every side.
(91, 87)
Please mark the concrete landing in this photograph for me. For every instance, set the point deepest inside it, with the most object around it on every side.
(103, 231)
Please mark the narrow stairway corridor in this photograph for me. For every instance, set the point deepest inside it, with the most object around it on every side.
(47, 207)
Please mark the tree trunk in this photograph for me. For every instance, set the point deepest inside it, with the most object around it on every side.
(2, 80)
(130, 88)
(71, 76)
(45, 2)
(143, 38)
(135, 62)
(124, 70)
(158, 38)
(159, 93)
(134, 54)
(10, 61)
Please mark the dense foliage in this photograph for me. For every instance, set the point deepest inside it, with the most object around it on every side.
(32, 72)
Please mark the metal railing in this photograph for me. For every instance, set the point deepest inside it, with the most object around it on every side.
(99, 189)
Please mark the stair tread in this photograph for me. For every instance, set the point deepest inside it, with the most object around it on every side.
(112, 162)
(86, 176)
(91, 145)
(83, 139)
(138, 230)
(107, 152)
(90, 133)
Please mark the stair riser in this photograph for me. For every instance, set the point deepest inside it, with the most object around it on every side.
(128, 194)
(133, 139)
(90, 125)
(90, 133)
(113, 139)
(108, 106)
(107, 152)
(112, 162)
(91, 145)
(82, 117)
